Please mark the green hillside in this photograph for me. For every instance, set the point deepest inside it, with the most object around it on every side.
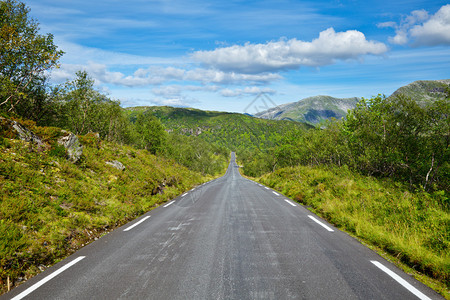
(236, 132)
(424, 91)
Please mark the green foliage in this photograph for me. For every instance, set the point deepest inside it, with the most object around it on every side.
(151, 134)
(82, 109)
(24, 57)
(393, 137)
(196, 154)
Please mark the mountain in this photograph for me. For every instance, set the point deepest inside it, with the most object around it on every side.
(310, 110)
(424, 90)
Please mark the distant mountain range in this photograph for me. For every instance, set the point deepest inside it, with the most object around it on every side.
(311, 110)
(314, 110)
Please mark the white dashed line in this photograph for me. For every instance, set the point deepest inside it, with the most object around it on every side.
(400, 280)
(46, 279)
(320, 223)
(170, 203)
(137, 223)
(290, 202)
(276, 193)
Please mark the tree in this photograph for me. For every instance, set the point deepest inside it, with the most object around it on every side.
(24, 54)
(151, 134)
(82, 109)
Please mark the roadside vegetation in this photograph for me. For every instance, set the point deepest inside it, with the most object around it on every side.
(382, 174)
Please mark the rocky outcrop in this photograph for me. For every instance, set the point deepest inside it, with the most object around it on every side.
(73, 146)
(116, 164)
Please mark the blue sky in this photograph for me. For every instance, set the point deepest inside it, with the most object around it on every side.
(219, 55)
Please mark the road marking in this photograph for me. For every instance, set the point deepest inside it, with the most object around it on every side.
(170, 203)
(320, 223)
(266, 187)
(137, 223)
(46, 279)
(183, 195)
(276, 193)
(290, 202)
(403, 282)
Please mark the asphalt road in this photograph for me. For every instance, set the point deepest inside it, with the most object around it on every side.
(228, 239)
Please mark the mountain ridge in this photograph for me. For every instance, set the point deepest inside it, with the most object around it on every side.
(311, 110)
(316, 109)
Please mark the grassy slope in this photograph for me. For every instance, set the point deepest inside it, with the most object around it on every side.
(50, 207)
(425, 90)
(411, 227)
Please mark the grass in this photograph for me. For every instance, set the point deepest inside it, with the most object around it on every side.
(412, 228)
(50, 207)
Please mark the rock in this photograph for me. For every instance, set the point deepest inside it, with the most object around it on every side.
(22, 132)
(25, 134)
(116, 164)
(72, 145)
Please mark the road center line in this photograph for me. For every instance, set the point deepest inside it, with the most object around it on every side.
(170, 203)
(137, 223)
(46, 279)
(400, 280)
(320, 223)
(276, 193)
(290, 202)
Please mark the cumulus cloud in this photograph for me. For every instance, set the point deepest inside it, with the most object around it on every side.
(435, 31)
(421, 28)
(281, 55)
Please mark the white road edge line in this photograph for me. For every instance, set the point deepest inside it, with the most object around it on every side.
(182, 195)
(400, 280)
(46, 279)
(136, 224)
(266, 187)
(290, 202)
(320, 223)
(170, 203)
(276, 193)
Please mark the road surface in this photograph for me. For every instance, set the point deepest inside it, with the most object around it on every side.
(230, 238)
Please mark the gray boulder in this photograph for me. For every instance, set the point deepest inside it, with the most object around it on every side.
(23, 133)
(72, 145)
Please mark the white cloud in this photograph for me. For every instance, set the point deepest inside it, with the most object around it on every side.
(246, 91)
(423, 29)
(156, 75)
(290, 54)
(435, 31)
